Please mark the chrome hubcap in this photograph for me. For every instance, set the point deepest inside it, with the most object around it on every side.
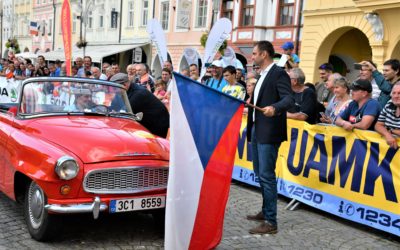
(35, 205)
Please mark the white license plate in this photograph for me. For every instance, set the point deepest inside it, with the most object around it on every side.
(136, 204)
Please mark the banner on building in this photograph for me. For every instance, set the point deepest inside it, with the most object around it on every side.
(9, 90)
(218, 34)
(157, 36)
(183, 14)
(191, 56)
(229, 59)
(66, 24)
(353, 175)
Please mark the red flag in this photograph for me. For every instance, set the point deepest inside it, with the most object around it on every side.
(66, 24)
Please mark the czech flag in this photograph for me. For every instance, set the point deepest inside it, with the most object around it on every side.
(204, 133)
(33, 28)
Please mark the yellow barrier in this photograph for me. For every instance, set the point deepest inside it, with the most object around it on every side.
(354, 175)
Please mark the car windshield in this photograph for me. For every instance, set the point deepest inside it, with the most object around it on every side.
(50, 97)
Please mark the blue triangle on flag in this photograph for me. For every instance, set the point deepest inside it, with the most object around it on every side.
(208, 113)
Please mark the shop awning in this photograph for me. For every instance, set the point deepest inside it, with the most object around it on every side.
(96, 52)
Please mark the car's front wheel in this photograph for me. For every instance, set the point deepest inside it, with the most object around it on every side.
(41, 224)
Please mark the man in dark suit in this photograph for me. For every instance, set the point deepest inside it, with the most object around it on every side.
(155, 114)
(267, 128)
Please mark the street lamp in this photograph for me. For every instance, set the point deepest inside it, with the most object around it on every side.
(85, 10)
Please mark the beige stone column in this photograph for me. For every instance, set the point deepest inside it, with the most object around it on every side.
(379, 53)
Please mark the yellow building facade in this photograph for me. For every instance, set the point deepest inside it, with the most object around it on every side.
(344, 32)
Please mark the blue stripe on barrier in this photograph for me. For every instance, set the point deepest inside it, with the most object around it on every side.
(370, 216)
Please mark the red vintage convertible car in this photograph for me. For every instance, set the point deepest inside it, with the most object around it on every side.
(73, 145)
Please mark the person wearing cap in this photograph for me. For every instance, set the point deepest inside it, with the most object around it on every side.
(83, 100)
(217, 81)
(388, 124)
(155, 114)
(293, 59)
(363, 111)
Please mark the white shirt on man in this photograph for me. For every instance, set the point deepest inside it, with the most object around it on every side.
(258, 85)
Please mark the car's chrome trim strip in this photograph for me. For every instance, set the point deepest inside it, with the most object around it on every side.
(134, 154)
(95, 207)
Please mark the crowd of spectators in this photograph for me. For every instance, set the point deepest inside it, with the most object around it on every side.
(371, 102)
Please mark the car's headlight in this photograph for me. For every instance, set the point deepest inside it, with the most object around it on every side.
(67, 168)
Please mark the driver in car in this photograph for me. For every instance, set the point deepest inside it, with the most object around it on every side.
(83, 101)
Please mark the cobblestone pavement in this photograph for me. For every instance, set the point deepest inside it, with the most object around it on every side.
(305, 228)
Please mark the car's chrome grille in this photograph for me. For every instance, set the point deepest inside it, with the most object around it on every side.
(126, 180)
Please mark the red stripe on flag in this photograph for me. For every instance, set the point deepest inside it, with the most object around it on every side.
(208, 226)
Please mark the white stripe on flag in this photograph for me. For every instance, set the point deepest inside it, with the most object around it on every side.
(185, 179)
(33, 28)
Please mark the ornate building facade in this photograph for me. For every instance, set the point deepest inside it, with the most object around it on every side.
(347, 31)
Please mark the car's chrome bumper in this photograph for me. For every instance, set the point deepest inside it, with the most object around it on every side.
(95, 207)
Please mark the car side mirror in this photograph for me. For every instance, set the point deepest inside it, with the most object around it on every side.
(139, 116)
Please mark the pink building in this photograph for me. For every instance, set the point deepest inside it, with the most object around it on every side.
(43, 14)
(184, 22)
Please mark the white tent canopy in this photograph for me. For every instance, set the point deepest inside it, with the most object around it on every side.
(96, 52)
(29, 55)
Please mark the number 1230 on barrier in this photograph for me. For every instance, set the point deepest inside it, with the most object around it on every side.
(305, 194)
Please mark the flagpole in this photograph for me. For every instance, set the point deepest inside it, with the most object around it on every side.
(255, 107)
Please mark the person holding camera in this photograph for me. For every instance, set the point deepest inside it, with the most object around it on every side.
(366, 74)
(385, 81)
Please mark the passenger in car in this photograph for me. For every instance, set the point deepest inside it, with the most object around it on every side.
(83, 100)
